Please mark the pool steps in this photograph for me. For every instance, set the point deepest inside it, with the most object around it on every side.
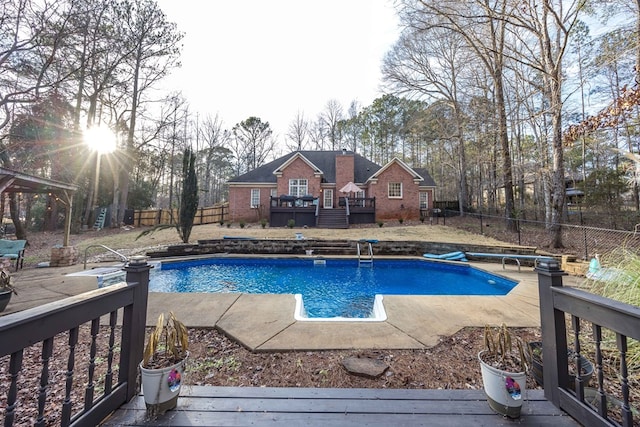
(378, 313)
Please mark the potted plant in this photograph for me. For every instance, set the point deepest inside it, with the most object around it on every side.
(163, 364)
(503, 368)
(6, 289)
(534, 358)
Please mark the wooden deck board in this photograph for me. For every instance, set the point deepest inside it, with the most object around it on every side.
(234, 406)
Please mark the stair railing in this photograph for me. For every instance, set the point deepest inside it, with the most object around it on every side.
(124, 258)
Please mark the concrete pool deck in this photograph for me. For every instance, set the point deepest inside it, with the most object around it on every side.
(267, 323)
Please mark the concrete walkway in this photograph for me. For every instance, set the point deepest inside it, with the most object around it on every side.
(267, 323)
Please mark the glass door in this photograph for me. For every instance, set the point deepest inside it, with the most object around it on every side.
(327, 200)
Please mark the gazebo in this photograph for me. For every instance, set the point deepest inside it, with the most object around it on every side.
(17, 182)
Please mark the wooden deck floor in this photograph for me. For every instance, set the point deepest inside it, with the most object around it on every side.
(241, 406)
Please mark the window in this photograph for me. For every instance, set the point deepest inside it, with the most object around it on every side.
(298, 187)
(255, 197)
(424, 200)
(395, 190)
(274, 192)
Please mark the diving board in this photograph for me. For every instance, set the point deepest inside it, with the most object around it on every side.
(512, 257)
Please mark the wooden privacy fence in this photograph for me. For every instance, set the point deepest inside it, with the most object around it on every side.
(205, 215)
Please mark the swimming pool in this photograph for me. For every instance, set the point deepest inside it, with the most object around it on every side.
(330, 288)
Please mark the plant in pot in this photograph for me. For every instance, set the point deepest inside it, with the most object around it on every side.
(534, 359)
(163, 364)
(503, 368)
(6, 289)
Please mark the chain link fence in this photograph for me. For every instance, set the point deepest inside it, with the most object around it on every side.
(582, 241)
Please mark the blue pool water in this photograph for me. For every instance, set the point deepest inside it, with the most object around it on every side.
(340, 288)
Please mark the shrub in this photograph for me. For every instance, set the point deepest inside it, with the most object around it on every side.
(242, 224)
(624, 264)
(291, 223)
(380, 224)
(401, 220)
(263, 222)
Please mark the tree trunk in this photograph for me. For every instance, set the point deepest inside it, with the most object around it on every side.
(505, 151)
(14, 211)
(130, 150)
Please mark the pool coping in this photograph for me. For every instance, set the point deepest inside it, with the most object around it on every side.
(267, 322)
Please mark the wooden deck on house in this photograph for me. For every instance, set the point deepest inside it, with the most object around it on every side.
(256, 406)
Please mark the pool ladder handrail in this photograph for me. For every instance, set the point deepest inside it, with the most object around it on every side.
(123, 257)
(368, 258)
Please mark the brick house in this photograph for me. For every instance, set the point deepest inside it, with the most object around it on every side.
(304, 186)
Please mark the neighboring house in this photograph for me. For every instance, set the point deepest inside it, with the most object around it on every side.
(304, 186)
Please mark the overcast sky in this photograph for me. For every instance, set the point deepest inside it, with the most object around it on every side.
(271, 59)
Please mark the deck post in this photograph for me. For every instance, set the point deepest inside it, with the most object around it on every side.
(134, 323)
(552, 322)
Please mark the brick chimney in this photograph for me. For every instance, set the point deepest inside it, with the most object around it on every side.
(344, 169)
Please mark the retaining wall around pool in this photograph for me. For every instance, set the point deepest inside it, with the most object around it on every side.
(328, 247)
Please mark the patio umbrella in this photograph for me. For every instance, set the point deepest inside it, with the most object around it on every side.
(350, 188)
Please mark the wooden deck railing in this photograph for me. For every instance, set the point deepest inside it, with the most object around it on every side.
(565, 313)
(41, 325)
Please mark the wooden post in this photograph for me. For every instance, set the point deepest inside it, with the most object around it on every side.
(554, 331)
(133, 323)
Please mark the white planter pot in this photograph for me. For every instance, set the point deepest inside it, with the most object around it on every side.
(505, 390)
(161, 387)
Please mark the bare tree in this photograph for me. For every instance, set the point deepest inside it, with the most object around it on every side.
(298, 133)
(550, 23)
(431, 64)
(317, 134)
(479, 23)
(329, 119)
(155, 44)
(32, 35)
(216, 158)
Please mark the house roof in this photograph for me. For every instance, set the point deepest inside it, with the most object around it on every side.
(298, 155)
(324, 161)
(402, 164)
(424, 173)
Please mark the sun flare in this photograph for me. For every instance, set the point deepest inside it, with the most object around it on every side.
(100, 139)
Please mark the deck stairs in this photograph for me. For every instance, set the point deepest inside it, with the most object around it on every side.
(333, 218)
